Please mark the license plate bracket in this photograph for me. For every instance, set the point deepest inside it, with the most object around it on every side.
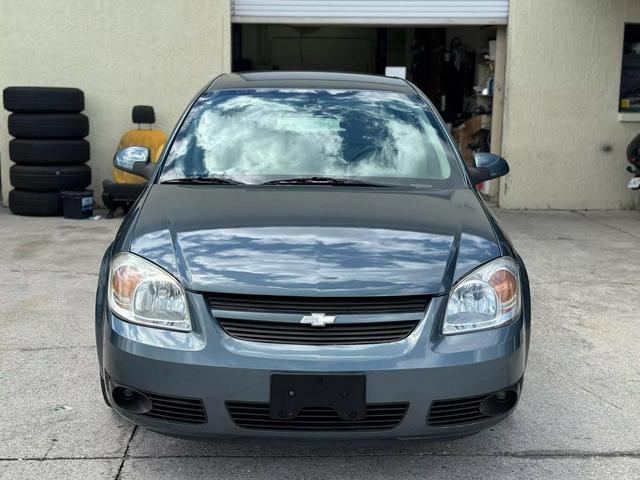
(345, 393)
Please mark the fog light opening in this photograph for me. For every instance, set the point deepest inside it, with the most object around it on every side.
(131, 400)
(499, 403)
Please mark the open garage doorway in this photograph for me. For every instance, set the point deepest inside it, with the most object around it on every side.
(454, 65)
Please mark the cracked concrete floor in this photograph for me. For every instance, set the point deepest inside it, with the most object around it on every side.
(579, 416)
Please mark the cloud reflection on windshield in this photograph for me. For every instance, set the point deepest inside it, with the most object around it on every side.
(305, 132)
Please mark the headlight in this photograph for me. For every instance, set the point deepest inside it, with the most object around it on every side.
(142, 293)
(486, 298)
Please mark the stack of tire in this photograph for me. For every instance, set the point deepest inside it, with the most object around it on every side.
(48, 148)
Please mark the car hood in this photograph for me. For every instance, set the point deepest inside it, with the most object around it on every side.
(314, 240)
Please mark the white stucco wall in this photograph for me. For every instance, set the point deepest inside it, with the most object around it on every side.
(562, 85)
(120, 52)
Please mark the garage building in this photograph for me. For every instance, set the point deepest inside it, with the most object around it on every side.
(544, 83)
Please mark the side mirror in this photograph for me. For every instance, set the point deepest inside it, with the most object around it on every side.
(488, 166)
(136, 160)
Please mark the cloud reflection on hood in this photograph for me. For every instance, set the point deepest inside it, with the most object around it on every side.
(315, 258)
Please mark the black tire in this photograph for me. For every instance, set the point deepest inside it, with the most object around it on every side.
(37, 204)
(43, 99)
(49, 152)
(48, 125)
(49, 179)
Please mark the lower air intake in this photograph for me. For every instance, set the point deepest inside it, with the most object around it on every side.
(459, 411)
(159, 407)
(255, 416)
(445, 413)
(176, 409)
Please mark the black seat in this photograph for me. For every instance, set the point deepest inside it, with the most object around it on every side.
(122, 195)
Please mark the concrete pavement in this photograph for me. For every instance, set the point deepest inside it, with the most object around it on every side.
(579, 416)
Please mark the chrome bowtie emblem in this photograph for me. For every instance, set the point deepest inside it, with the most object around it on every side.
(318, 319)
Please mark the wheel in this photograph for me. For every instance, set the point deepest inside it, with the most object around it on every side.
(43, 99)
(48, 125)
(37, 204)
(104, 392)
(49, 152)
(35, 178)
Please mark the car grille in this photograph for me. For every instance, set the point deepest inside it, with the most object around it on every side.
(446, 413)
(327, 305)
(302, 334)
(255, 416)
(353, 333)
(176, 409)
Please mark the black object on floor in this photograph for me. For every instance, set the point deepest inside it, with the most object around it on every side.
(77, 204)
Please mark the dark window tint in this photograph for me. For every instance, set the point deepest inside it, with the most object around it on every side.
(630, 82)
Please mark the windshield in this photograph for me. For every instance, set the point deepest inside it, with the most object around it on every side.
(255, 136)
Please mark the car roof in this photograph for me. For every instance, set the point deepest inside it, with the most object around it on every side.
(305, 80)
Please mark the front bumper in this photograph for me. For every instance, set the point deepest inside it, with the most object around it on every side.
(208, 364)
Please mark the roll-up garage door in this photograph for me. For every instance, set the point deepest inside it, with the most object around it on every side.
(372, 12)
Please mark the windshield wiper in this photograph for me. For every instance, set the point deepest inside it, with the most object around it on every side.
(324, 181)
(203, 180)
